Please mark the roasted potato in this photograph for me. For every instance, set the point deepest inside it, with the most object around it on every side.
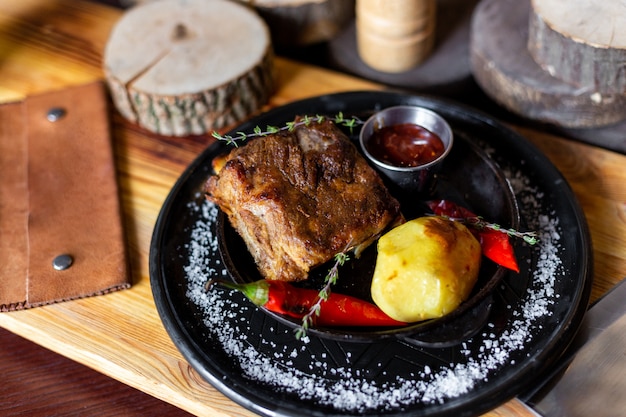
(425, 268)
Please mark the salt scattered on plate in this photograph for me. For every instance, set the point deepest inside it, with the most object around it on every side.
(346, 387)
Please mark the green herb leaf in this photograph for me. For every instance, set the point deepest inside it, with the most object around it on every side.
(329, 280)
(479, 223)
(306, 120)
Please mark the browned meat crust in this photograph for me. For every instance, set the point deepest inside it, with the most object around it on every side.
(298, 198)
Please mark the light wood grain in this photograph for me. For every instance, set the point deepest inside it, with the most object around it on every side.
(47, 45)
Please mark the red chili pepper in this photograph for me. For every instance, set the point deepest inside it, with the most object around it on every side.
(338, 310)
(495, 244)
(497, 247)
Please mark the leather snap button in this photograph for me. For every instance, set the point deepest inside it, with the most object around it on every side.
(55, 114)
(62, 262)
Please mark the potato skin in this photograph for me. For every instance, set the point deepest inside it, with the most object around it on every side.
(425, 268)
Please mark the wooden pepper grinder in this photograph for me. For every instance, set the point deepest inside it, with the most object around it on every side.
(395, 36)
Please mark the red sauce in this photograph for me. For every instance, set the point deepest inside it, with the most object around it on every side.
(405, 145)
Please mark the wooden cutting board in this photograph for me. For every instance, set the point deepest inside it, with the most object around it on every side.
(51, 44)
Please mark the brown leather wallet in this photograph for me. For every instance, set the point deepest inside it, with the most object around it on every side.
(61, 231)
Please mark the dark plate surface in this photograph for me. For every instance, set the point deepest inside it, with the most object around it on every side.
(488, 193)
(255, 359)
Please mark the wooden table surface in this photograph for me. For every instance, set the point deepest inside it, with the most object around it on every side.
(51, 44)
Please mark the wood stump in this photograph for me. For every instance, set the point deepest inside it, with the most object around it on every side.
(582, 42)
(504, 68)
(187, 67)
(304, 22)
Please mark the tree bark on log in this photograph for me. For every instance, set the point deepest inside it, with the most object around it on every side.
(304, 22)
(504, 69)
(180, 68)
(582, 42)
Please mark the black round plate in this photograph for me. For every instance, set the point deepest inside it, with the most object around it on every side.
(255, 359)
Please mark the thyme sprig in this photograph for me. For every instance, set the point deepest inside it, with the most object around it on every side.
(338, 119)
(329, 280)
(479, 223)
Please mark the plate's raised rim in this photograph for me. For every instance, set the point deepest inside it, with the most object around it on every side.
(338, 102)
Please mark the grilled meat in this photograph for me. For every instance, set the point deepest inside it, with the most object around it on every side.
(297, 198)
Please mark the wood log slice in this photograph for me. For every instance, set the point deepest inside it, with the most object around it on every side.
(304, 22)
(582, 42)
(187, 67)
(504, 69)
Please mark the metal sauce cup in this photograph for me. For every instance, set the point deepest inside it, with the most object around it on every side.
(407, 180)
